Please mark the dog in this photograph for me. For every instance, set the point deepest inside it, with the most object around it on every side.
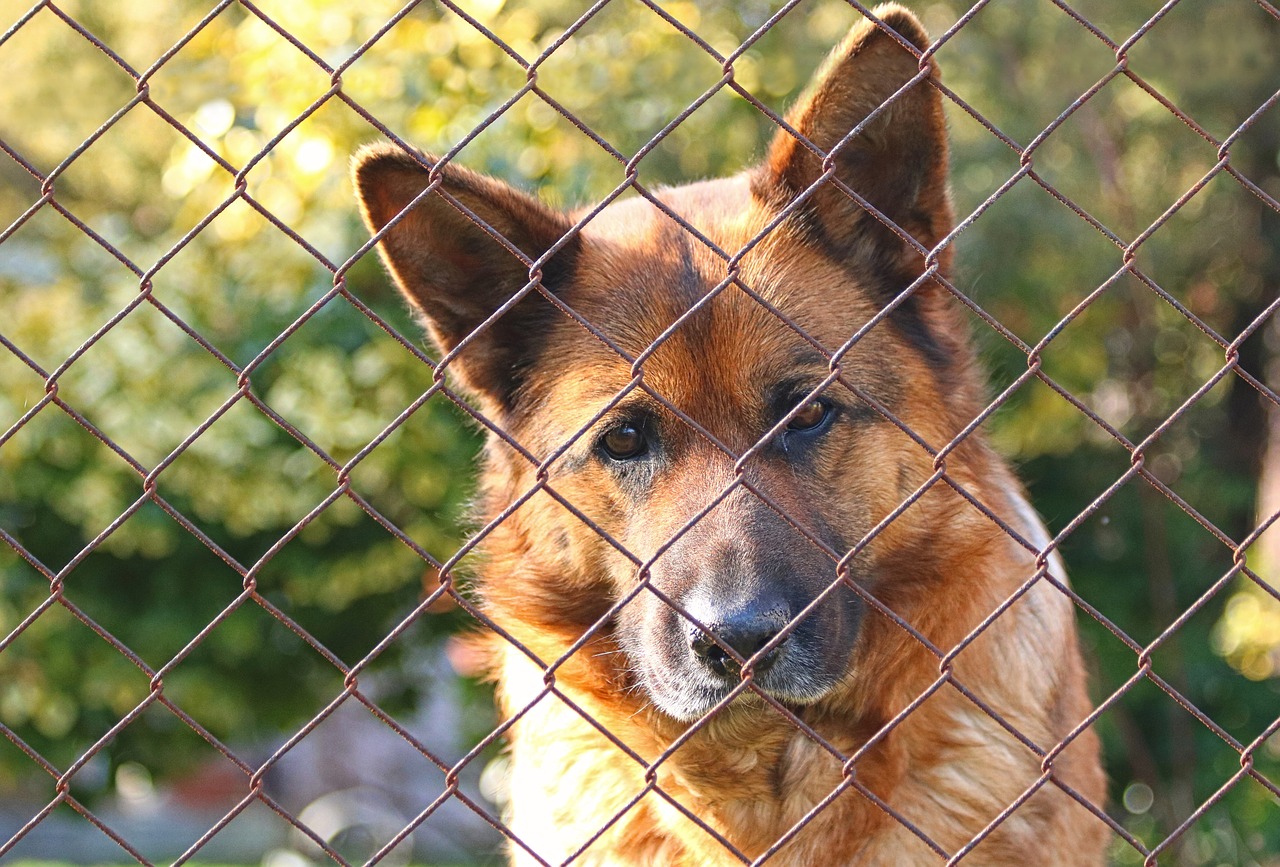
(757, 590)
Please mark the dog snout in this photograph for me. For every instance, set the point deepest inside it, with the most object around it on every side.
(745, 631)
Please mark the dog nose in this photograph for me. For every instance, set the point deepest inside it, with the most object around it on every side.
(746, 632)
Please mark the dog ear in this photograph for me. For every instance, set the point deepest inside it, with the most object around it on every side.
(453, 272)
(898, 162)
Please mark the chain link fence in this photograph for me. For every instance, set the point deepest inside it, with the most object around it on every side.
(235, 481)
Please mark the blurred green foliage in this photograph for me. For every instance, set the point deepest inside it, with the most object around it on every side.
(434, 78)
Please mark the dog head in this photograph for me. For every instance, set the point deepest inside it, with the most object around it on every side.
(715, 443)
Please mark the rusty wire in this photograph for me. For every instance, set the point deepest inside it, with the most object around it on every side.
(254, 772)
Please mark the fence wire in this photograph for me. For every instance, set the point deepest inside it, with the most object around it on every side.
(252, 771)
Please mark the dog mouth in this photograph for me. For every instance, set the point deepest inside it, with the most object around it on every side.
(689, 685)
(689, 701)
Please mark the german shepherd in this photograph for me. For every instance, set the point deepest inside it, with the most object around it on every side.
(762, 593)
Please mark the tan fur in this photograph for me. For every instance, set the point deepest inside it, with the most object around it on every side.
(557, 566)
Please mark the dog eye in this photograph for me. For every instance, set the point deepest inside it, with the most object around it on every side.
(624, 442)
(810, 416)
